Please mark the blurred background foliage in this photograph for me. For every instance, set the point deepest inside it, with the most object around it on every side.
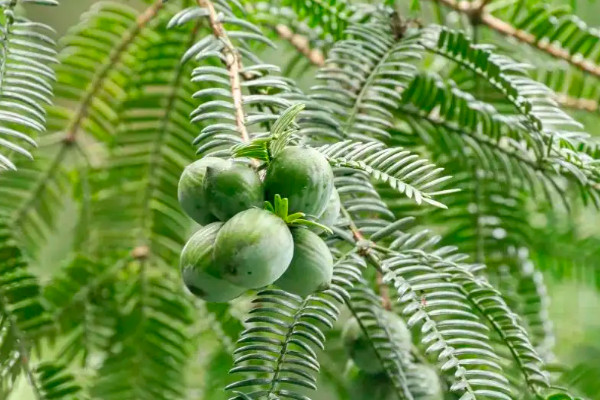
(575, 294)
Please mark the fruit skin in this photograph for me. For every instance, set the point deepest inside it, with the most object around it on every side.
(398, 330)
(430, 387)
(304, 176)
(332, 211)
(190, 191)
(311, 268)
(424, 385)
(231, 189)
(361, 350)
(371, 387)
(199, 273)
(253, 249)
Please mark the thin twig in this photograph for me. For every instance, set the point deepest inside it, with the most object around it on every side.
(233, 64)
(384, 292)
(577, 103)
(371, 258)
(477, 13)
(302, 44)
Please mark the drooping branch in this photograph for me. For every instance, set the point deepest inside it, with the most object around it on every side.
(97, 83)
(371, 251)
(477, 13)
(143, 19)
(156, 164)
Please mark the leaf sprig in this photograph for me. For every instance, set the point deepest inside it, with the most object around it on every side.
(282, 133)
(281, 209)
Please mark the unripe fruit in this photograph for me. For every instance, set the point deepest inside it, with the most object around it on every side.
(371, 387)
(253, 249)
(398, 330)
(332, 211)
(311, 268)
(190, 191)
(304, 176)
(232, 189)
(429, 384)
(361, 350)
(200, 274)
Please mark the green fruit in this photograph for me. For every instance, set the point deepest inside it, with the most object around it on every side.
(232, 189)
(304, 176)
(361, 350)
(398, 330)
(200, 274)
(254, 248)
(190, 191)
(371, 387)
(311, 268)
(332, 211)
(429, 384)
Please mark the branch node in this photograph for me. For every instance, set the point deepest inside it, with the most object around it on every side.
(140, 252)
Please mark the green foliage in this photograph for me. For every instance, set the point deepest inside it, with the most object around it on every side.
(395, 359)
(427, 129)
(55, 383)
(362, 96)
(151, 344)
(23, 318)
(332, 16)
(556, 25)
(282, 134)
(403, 171)
(283, 336)
(27, 56)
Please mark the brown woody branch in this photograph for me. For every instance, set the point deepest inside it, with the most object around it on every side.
(233, 64)
(384, 292)
(477, 13)
(302, 44)
(577, 103)
(372, 258)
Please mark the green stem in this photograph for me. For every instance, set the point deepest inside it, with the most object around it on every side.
(364, 90)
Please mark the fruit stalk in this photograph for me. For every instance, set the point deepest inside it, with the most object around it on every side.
(371, 258)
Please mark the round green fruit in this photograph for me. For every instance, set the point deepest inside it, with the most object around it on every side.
(232, 189)
(311, 268)
(199, 273)
(365, 386)
(190, 191)
(361, 350)
(398, 330)
(253, 249)
(304, 176)
(429, 384)
(332, 211)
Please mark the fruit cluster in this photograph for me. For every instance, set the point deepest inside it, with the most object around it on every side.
(242, 246)
(361, 351)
